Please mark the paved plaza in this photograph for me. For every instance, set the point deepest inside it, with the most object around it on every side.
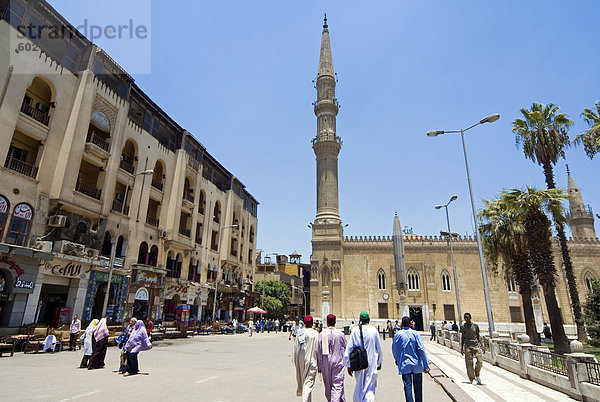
(204, 368)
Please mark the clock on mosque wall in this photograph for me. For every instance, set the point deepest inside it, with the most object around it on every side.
(386, 296)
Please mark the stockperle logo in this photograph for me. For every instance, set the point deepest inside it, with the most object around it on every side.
(121, 28)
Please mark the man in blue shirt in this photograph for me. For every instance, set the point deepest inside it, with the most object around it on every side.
(411, 359)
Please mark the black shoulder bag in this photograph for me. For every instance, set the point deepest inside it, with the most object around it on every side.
(359, 359)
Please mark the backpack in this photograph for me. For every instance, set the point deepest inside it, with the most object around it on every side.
(359, 359)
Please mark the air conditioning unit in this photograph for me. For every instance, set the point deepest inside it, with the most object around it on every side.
(163, 234)
(45, 246)
(57, 221)
(70, 248)
(92, 253)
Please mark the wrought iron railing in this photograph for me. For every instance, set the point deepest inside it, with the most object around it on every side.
(194, 164)
(593, 372)
(118, 206)
(189, 196)
(508, 350)
(36, 114)
(21, 167)
(88, 189)
(549, 361)
(98, 141)
(157, 184)
(152, 221)
(185, 232)
(585, 213)
(126, 165)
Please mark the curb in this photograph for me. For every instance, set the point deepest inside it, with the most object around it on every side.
(448, 385)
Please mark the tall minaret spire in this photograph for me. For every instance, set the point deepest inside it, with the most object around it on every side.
(580, 216)
(326, 144)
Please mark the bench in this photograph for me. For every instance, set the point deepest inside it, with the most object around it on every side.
(7, 348)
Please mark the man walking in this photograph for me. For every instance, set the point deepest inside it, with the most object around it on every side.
(432, 329)
(366, 380)
(330, 353)
(74, 329)
(411, 359)
(470, 347)
(305, 359)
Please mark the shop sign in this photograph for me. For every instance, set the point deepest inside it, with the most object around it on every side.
(175, 289)
(142, 294)
(21, 284)
(147, 279)
(12, 265)
(70, 269)
(103, 277)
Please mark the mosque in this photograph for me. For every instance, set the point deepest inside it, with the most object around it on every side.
(352, 274)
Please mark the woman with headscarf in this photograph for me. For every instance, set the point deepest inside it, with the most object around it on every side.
(137, 342)
(121, 341)
(88, 343)
(99, 349)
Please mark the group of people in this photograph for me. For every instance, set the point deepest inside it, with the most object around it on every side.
(133, 340)
(329, 353)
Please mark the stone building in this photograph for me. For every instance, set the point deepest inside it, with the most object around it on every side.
(94, 170)
(351, 274)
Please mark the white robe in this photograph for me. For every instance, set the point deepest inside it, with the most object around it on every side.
(305, 360)
(366, 380)
(87, 341)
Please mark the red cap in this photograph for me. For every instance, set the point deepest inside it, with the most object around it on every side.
(308, 320)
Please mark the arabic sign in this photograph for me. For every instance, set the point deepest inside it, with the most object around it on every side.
(149, 279)
(103, 277)
(175, 289)
(23, 211)
(3, 205)
(69, 269)
(12, 265)
(21, 284)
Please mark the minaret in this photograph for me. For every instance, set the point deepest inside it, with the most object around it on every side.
(399, 265)
(326, 144)
(580, 216)
(326, 271)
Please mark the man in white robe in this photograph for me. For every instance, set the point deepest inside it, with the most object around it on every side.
(366, 380)
(305, 359)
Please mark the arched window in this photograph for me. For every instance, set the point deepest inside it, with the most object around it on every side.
(128, 157)
(143, 254)
(511, 285)
(170, 265)
(119, 251)
(188, 190)
(446, 280)
(413, 279)
(158, 175)
(4, 208)
(381, 280)
(153, 259)
(106, 244)
(217, 212)
(251, 234)
(20, 225)
(81, 233)
(588, 281)
(202, 202)
(178, 264)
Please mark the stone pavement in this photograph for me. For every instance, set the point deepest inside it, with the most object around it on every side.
(498, 384)
(203, 368)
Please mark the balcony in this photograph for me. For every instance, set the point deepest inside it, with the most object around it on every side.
(152, 221)
(87, 189)
(35, 114)
(117, 206)
(194, 164)
(157, 185)
(193, 277)
(93, 138)
(586, 213)
(21, 167)
(185, 232)
(126, 164)
(189, 197)
(234, 253)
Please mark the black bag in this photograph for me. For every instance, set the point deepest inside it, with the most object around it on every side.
(359, 359)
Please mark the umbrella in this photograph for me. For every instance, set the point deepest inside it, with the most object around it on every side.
(256, 310)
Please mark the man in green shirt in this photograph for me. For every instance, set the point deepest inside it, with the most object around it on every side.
(470, 347)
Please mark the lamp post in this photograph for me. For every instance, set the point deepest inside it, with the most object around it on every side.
(486, 291)
(113, 250)
(449, 236)
(303, 298)
(218, 266)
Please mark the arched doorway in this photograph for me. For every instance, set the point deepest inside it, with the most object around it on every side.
(170, 307)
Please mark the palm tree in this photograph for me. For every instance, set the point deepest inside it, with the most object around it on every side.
(590, 137)
(543, 134)
(504, 238)
(532, 205)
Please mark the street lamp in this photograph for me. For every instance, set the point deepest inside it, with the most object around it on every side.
(218, 266)
(449, 236)
(486, 291)
(303, 298)
(113, 250)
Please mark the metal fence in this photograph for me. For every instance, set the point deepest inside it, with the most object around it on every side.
(508, 350)
(593, 372)
(549, 361)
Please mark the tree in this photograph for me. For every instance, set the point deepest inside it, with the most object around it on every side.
(504, 238)
(591, 310)
(590, 138)
(275, 296)
(543, 134)
(532, 205)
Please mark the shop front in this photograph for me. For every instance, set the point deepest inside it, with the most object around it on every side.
(175, 296)
(18, 281)
(144, 299)
(197, 299)
(96, 292)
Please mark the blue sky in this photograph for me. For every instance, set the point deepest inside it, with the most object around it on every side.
(238, 76)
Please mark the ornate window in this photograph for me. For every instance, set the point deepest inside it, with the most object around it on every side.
(4, 208)
(446, 280)
(20, 225)
(381, 280)
(413, 279)
(587, 279)
(143, 253)
(511, 285)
